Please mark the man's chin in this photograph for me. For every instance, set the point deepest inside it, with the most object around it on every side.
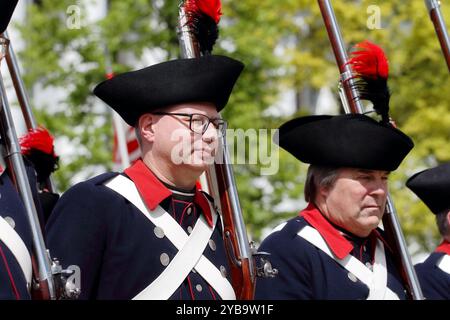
(204, 159)
(373, 212)
(373, 222)
(197, 164)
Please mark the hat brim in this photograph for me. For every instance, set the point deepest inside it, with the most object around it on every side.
(432, 186)
(6, 11)
(206, 79)
(351, 140)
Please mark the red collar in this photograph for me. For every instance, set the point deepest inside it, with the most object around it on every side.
(338, 244)
(153, 191)
(444, 247)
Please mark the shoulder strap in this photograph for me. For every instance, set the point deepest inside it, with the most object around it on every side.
(376, 281)
(444, 263)
(190, 248)
(18, 248)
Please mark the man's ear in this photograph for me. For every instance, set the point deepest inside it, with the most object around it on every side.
(448, 217)
(146, 124)
(323, 191)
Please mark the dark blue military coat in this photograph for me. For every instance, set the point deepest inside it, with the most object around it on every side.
(434, 281)
(12, 280)
(116, 247)
(307, 273)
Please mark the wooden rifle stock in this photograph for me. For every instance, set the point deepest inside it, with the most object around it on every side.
(242, 276)
(40, 289)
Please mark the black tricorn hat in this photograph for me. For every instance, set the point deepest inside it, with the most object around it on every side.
(6, 11)
(206, 79)
(350, 140)
(432, 186)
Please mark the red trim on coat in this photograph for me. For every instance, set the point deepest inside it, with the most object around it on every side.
(190, 288)
(11, 279)
(338, 244)
(444, 247)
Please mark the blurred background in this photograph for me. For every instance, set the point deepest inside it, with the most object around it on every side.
(66, 47)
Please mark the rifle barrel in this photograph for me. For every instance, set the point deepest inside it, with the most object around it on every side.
(439, 25)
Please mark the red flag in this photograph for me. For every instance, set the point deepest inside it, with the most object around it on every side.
(132, 145)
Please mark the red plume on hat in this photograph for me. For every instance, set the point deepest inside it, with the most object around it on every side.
(37, 146)
(370, 64)
(203, 17)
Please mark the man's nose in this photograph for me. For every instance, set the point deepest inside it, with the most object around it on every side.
(379, 188)
(210, 134)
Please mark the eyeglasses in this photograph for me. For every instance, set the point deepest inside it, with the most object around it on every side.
(199, 123)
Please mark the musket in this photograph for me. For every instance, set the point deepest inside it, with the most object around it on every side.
(434, 9)
(49, 280)
(352, 104)
(221, 185)
(16, 168)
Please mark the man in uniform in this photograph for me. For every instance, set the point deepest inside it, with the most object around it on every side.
(333, 248)
(432, 186)
(148, 233)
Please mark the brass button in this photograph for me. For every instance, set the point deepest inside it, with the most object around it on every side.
(352, 277)
(159, 233)
(164, 258)
(223, 271)
(10, 221)
(212, 244)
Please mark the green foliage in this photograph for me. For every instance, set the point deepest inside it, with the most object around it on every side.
(284, 45)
